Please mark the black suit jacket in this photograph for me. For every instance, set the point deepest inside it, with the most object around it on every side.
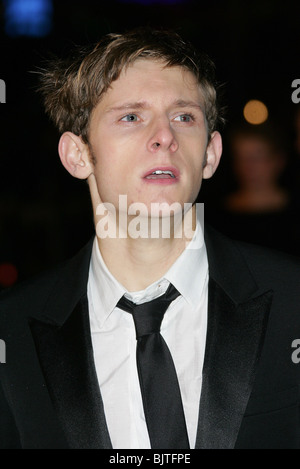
(49, 394)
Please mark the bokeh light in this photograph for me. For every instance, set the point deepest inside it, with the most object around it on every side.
(255, 112)
(28, 17)
(8, 274)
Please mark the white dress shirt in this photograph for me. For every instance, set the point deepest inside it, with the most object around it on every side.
(114, 342)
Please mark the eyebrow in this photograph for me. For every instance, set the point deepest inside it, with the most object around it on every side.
(183, 103)
(126, 106)
(144, 105)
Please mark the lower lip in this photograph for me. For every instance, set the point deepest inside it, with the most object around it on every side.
(161, 181)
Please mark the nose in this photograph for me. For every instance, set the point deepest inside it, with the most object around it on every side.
(162, 138)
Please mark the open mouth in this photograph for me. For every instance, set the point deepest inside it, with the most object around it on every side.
(161, 174)
(170, 173)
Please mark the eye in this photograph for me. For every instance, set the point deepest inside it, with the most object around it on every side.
(130, 118)
(184, 118)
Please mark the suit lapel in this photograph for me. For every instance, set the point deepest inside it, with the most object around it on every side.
(237, 320)
(234, 340)
(63, 343)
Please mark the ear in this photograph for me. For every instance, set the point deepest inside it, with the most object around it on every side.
(213, 155)
(74, 155)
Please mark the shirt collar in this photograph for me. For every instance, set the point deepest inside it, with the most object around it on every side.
(190, 270)
(187, 274)
(104, 289)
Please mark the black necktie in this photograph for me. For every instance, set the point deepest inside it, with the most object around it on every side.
(158, 380)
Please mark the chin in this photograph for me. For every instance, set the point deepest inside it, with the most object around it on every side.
(165, 208)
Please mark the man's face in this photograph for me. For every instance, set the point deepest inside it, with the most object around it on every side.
(148, 136)
(256, 163)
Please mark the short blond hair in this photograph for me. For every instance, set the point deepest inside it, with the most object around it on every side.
(73, 87)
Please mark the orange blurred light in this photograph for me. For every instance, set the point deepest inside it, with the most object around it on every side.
(255, 112)
(8, 275)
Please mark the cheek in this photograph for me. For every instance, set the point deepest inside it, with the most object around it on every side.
(199, 161)
(107, 160)
(194, 176)
(105, 172)
(194, 159)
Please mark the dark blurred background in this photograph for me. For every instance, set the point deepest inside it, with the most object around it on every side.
(45, 214)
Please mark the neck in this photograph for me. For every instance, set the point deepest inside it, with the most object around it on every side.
(261, 188)
(136, 263)
(261, 199)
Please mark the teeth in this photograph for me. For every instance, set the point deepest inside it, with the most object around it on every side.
(159, 171)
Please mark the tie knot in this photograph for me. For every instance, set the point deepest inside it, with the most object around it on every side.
(148, 316)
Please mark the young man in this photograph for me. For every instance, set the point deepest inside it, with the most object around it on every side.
(219, 369)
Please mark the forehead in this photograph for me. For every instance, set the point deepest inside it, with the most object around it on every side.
(149, 78)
